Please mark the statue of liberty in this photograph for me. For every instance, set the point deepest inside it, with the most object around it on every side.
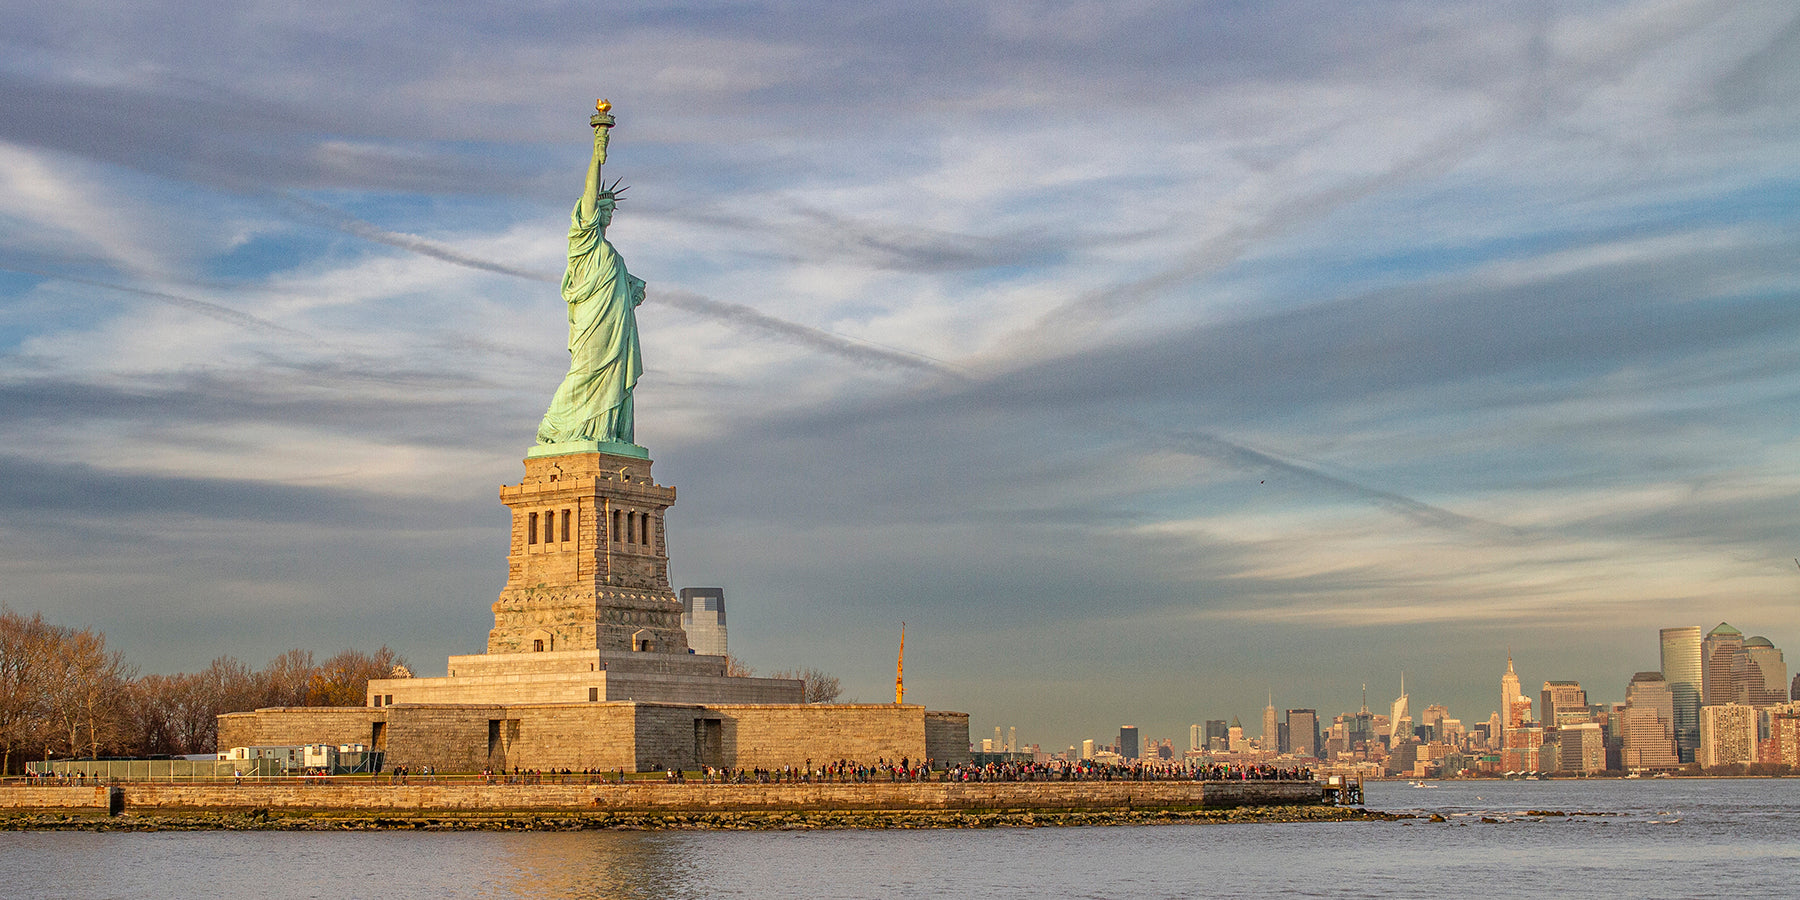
(594, 401)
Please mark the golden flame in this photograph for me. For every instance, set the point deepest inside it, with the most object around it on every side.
(602, 106)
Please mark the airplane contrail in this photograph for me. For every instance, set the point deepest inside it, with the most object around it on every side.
(343, 221)
(1202, 444)
(202, 307)
(756, 320)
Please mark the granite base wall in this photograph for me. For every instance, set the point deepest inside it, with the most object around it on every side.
(947, 737)
(775, 736)
(637, 737)
(291, 726)
(447, 738)
(574, 737)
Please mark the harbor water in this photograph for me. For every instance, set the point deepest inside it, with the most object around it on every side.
(1616, 838)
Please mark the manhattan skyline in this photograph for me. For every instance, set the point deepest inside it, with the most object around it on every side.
(1144, 362)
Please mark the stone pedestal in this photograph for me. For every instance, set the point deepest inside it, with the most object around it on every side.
(588, 568)
(587, 615)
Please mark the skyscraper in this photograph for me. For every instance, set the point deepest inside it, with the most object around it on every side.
(1784, 737)
(1769, 687)
(1271, 740)
(1218, 734)
(1520, 739)
(1581, 748)
(703, 618)
(1727, 734)
(1564, 703)
(1128, 741)
(1303, 732)
(1400, 722)
(1361, 730)
(1433, 718)
(1196, 738)
(1649, 727)
(1524, 748)
(1515, 709)
(1721, 668)
(1681, 669)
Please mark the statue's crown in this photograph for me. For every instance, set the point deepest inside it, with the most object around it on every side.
(612, 192)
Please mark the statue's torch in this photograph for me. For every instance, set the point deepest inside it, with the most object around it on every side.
(603, 122)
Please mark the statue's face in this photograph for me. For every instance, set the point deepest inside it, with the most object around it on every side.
(605, 211)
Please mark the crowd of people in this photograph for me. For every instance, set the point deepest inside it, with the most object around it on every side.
(843, 771)
(1140, 771)
(846, 771)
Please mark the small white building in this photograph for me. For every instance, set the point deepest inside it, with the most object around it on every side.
(289, 757)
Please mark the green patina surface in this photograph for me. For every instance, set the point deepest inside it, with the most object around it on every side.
(593, 403)
(563, 448)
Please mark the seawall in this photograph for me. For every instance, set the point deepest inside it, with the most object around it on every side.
(653, 798)
(55, 798)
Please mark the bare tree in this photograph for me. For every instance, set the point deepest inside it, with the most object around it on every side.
(343, 680)
(286, 680)
(151, 715)
(62, 690)
(231, 686)
(736, 668)
(25, 647)
(179, 714)
(87, 691)
(817, 685)
(106, 699)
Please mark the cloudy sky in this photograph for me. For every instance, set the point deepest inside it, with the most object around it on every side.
(1144, 358)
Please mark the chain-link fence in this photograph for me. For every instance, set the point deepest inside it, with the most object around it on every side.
(171, 770)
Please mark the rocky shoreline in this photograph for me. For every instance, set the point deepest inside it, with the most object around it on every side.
(798, 820)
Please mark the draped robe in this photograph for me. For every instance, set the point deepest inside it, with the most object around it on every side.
(594, 401)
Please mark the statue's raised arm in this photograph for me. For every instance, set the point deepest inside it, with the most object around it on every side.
(594, 401)
(590, 197)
